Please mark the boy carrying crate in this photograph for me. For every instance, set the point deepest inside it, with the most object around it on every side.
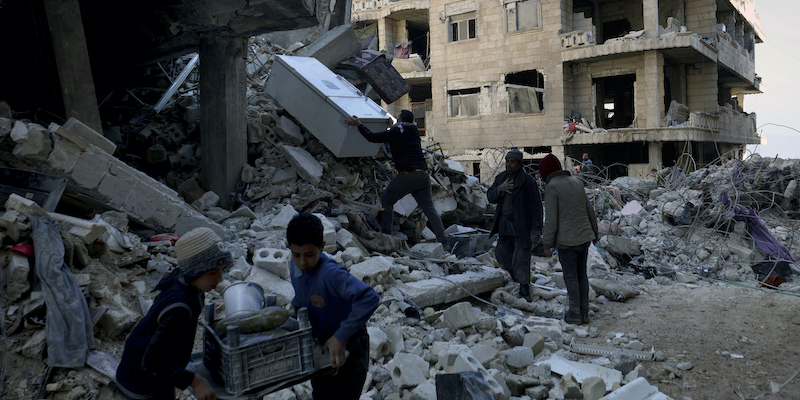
(339, 305)
(160, 346)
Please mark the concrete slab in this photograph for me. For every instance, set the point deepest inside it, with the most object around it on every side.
(435, 291)
(638, 389)
(582, 371)
(84, 133)
(334, 46)
(304, 163)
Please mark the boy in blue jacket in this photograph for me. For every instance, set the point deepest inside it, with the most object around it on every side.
(339, 305)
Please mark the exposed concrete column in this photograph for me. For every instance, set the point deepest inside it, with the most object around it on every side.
(650, 14)
(223, 118)
(655, 153)
(654, 88)
(386, 34)
(72, 60)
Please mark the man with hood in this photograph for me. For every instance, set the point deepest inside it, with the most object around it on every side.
(570, 226)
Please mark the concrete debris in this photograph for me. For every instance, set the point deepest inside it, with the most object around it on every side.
(673, 228)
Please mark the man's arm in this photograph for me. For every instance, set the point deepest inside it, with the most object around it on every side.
(495, 193)
(536, 207)
(373, 137)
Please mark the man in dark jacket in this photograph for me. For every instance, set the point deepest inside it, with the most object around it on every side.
(412, 171)
(517, 219)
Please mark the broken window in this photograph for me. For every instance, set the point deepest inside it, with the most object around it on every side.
(462, 26)
(523, 14)
(614, 107)
(464, 102)
(525, 92)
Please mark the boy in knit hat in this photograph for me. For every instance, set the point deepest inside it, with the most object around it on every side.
(570, 225)
(159, 347)
(339, 305)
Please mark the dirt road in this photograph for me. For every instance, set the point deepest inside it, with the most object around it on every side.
(734, 337)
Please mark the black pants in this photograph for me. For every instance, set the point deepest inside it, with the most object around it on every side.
(514, 254)
(419, 185)
(348, 381)
(573, 263)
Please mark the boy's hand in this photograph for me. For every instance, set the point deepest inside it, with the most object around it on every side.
(202, 389)
(336, 348)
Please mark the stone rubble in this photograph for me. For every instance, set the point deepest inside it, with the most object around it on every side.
(672, 229)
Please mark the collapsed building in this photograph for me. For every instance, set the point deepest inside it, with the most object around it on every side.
(639, 85)
(440, 313)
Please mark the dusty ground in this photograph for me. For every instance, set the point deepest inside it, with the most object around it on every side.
(704, 323)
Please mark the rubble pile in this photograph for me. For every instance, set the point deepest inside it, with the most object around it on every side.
(440, 313)
(717, 222)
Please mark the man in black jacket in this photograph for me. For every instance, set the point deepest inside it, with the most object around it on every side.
(517, 219)
(412, 171)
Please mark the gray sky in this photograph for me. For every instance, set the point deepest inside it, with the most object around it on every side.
(778, 64)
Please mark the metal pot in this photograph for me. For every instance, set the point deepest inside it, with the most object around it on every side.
(243, 297)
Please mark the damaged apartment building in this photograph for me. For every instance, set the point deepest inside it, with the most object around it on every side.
(637, 84)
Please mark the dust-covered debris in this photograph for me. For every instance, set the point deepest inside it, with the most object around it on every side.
(440, 313)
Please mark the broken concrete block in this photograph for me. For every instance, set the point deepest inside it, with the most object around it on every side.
(306, 165)
(638, 389)
(570, 387)
(118, 316)
(394, 333)
(484, 354)
(6, 125)
(288, 131)
(89, 169)
(89, 135)
(582, 371)
(16, 278)
(87, 231)
(24, 206)
(518, 356)
(424, 391)
(352, 254)
(535, 341)
(428, 250)
(190, 219)
(328, 233)
(593, 388)
(34, 346)
(273, 260)
(118, 184)
(206, 201)
(19, 131)
(378, 343)
(374, 271)
(623, 245)
(281, 221)
(460, 316)
(335, 45)
(407, 370)
(496, 380)
(282, 176)
(273, 284)
(435, 291)
(34, 143)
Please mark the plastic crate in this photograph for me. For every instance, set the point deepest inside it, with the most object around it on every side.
(259, 360)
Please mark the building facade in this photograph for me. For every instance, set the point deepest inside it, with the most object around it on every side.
(637, 84)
